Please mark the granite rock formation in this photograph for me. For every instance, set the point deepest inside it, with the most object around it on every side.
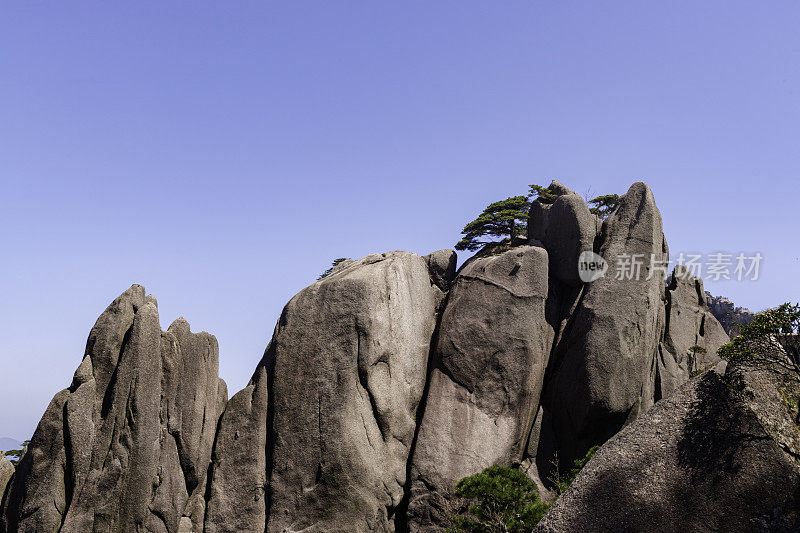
(493, 346)
(6, 473)
(384, 383)
(729, 315)
(713, 456)
(603, 369)
(692, 335)
(348, 364)
(126, 447)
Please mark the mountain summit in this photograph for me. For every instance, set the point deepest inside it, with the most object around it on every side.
(393, 377)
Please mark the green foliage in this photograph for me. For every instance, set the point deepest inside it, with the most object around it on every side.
(697, 349)
(771, 340)
(563, 483)
(789, 400)
(507, 217)
(543, 194)
(777, 321)
(333, 265)
(604, 205)
(14, 456)
(499, 499)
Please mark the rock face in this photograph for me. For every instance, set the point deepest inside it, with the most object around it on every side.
(384, 384)
(730, 316)
(126, 447)
(442, 267)
(493, 347)
(708, 458)
(6, 472)
(238, 480)
(347, 369)
(604, 366)
(692, 335)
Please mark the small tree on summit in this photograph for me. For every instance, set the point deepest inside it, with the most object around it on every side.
(604, 205)
(543, 194)
(506, 218)
(509, 217)
(335, 263)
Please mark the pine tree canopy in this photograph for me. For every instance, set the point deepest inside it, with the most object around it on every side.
(543, 194)
(506, 218)
(604, 205)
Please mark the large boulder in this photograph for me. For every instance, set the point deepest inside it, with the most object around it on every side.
(348, 365)
(566, 228)
(603, 368)
(128, 444)
(692, 335)
(719, 454)
(493, 346)
(442, 267)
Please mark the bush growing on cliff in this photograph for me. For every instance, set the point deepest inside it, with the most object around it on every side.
(334, 264)
(509, 217)
(771, 340)
(497, 500)
(562, 483)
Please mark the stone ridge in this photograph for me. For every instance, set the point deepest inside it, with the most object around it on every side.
(384, 383)
(730, 316)
(127, 445)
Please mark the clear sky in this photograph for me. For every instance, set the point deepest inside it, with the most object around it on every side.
(223, 153)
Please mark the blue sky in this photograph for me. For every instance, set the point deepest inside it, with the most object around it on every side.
(223, 153)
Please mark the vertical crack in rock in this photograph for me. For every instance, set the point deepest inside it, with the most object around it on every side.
(492, 348)
(373, 320)
(605, 360)
(691, 335)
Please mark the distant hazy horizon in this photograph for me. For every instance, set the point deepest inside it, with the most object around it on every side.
(222, 155)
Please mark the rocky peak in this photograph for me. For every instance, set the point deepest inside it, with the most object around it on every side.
(384, 383)
(728, 314)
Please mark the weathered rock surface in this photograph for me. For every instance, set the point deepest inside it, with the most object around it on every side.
(528, 364)
(348, 366)
(708, 458)
(129, 442)
(6, 473)
(565, 228)
(731, 317)
(238, 480)
(604, 367)
(442, 267)
(692, 335)
(493, 347)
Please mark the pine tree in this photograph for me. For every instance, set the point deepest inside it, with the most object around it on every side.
(506, 218)
(604, 205)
